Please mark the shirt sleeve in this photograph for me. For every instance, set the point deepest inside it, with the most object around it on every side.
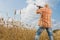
(39, 11)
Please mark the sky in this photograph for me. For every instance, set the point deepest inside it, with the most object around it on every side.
(8, 6)
(28, 9)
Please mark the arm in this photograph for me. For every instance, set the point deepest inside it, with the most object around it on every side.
(39, 11)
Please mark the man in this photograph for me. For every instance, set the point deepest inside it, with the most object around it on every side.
(44, 22)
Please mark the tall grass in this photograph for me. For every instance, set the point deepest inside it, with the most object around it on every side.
(18, 33)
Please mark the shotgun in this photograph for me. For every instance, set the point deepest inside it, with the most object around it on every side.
(38, 6)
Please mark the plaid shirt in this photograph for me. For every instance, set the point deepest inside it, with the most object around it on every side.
(45, 19)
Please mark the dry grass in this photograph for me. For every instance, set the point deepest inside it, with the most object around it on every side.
(16, 33)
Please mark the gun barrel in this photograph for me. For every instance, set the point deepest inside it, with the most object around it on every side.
(38, 6)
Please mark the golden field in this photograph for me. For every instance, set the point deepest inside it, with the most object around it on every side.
(18, 33)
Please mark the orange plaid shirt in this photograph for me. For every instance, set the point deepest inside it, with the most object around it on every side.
(45, 19)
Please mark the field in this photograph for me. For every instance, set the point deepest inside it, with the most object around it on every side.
(18, 33)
